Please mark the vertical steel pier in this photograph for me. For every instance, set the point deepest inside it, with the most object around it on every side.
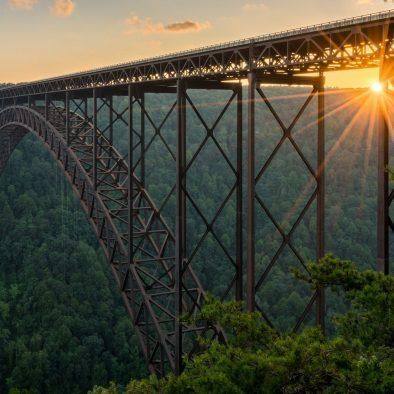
(386, 74)
(180, 226)
(185, 254)
(255, 203)
(250, 226)
(321, 187)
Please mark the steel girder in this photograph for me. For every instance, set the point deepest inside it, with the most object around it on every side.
(138, 244)
(348, 44)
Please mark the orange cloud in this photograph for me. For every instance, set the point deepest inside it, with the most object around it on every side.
(147, 26)
(63, 8)
(22, 4)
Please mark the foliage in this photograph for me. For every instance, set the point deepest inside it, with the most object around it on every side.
(258, 360)
(63, 327)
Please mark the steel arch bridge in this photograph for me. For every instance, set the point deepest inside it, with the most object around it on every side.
(151, 262)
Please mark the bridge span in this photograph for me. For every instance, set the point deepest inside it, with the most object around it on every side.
(151, 260)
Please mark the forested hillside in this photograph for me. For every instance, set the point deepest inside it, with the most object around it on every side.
(62, 325)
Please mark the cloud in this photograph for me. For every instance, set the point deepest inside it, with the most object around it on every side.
(254, 7)
(365, 2)
(22, 4)
(187, 25)
(63, 8)
(147, 26)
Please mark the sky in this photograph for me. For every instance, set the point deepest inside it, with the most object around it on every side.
(44, 38)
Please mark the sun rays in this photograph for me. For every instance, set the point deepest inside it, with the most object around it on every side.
(363, 107)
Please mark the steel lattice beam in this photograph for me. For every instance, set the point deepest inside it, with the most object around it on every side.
(255, 203)
(145, 271)
(347, 44)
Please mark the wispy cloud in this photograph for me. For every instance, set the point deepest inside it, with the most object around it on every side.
(187, 25)
(148, 26)
(365, 2)
(63, 8)
(22, 4)
(254, 7)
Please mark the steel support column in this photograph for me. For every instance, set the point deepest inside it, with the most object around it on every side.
(111, 117)
(180, 226)
(46, 112)
(85, 108)
(67, 108)
(142, 136)
(94, 139)
(239, 225)
(250, 226)
(383, 177)
(130, 177)
(320, 179)
(46, 104)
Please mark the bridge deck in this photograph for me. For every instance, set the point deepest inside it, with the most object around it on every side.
(345, 44)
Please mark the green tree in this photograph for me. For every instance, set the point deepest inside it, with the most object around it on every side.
(256, 359)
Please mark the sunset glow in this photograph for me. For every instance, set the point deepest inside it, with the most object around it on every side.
(377, 87)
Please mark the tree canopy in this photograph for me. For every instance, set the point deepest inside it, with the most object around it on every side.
(257, 359)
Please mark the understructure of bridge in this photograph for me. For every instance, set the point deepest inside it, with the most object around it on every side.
(151, 259)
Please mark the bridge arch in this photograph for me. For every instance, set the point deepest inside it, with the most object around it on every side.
(137, 243)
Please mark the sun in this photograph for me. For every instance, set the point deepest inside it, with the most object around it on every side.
(377, 87)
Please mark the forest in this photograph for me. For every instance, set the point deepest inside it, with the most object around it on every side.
(258, 359)
(63, 328)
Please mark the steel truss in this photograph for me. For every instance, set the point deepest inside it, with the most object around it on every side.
(184, 254)
(256, 204)
(137, 243)
(348, 44)
(150, 260)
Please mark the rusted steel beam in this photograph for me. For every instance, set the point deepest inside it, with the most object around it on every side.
(383, 264)
(67, 110)
(251, 191)
(320, 179)
(180, 230)
(239, 198)
(288, 79)
(94, 138)
(210, 85)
